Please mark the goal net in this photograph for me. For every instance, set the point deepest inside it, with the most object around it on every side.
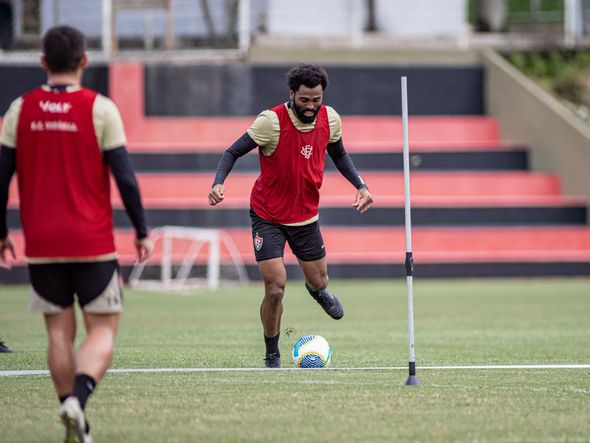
(189, 258)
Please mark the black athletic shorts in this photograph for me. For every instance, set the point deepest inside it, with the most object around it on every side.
(96, 285)
(269, 239)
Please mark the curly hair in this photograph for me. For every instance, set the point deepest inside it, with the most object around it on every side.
(63, 47)
(308, 75)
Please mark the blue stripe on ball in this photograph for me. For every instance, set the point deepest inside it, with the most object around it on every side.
(311, 360)
(300, 343)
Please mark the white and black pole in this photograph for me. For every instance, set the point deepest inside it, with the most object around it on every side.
(412, 379)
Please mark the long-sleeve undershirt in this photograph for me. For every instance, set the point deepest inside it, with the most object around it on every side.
(245, 144)
(7, 168)
(121, 168)
(120, 164)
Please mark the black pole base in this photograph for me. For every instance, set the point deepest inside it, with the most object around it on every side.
(412, 381)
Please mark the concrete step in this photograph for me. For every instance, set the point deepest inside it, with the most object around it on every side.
(429, 244)
(360, 133)
(191, 190)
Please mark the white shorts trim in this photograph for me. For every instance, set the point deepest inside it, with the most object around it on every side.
(39, 304)
(111, 299)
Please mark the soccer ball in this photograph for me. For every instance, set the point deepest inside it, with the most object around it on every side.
(312, 351)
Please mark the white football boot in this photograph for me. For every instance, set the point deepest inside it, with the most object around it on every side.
(73, 418)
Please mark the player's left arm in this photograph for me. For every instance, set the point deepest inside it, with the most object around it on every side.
(363, 199)
(7, 168)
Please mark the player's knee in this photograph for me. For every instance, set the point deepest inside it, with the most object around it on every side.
(320, 282)
(324, 281)
(63, 336)
(274, 291)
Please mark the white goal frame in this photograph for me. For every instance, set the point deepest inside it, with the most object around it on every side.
(198, 237)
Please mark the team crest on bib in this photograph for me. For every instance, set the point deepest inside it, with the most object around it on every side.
(258, 240)
(306, 151)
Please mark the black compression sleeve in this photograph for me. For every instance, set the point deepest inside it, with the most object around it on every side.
(241, 146)
(7, 168)
(120, 163)
(344, 164)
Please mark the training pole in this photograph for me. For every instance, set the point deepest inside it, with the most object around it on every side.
(412, 379)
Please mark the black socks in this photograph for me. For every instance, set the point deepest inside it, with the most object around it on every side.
(272, 344)
(83, 386)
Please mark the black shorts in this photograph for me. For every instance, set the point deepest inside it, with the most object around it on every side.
(96, 285)
(269, 239)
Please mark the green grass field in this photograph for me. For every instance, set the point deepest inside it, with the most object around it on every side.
(459, 322)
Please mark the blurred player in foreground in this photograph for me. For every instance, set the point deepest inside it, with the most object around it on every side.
(292, 140)
(62, 139)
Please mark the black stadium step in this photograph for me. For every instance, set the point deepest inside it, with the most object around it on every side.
(19, 273)
(378, 216)
(481, 160)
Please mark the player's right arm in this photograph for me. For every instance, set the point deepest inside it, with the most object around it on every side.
(240, 147)
(363, 199)
(112, 140)
(263, 133)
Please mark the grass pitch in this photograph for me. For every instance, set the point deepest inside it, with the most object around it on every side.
(460, 322)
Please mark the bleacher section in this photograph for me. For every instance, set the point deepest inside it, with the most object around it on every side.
(477, 209)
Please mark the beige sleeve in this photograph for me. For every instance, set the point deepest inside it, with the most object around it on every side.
(335, 124)
(10, 124)
(265, 131)
(108, 124)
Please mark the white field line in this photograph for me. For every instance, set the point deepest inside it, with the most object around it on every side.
(391, 368)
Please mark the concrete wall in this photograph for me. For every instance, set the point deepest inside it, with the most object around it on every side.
(342, 18)
(240, 89)
(188, 17)
(301, 18)
(23, 78)
(422, 18)
(558, 141)
(315, 18)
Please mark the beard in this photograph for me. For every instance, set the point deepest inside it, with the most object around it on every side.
(300, 113)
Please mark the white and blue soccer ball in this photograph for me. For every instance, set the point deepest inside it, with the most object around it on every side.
(312, 351)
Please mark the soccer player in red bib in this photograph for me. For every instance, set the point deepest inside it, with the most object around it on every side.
(62, 140)
(292, 140)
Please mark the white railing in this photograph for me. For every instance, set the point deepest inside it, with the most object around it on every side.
(179, 250)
